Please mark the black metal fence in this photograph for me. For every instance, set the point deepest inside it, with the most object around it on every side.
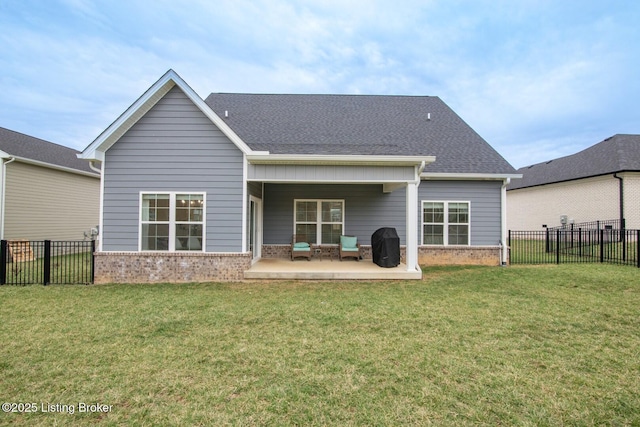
(605, 245)
(46, 262)
(615, 224)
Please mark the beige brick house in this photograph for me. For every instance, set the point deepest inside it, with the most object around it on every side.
(46, 192)
(601, 182)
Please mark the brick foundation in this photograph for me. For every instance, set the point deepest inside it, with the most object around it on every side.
(129, 267)
(427, 255)
(459, 255)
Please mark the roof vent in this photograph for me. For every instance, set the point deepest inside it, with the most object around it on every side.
(226, 113)
(428, 116)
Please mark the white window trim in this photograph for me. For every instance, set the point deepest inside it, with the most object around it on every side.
(445, 224)
(318, 221)
(172, 219)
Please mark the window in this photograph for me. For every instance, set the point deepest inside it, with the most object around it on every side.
(319, 221)
(171, 222)
(445, 223)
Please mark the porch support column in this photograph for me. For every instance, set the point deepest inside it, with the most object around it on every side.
(412, 226)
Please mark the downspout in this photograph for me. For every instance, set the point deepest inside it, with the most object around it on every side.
(504, 250)
(421, 168)
(94, 168)
(621, 197)
(3, 188)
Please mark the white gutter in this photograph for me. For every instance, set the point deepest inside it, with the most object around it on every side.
(52, 166)
(421, 169)
(464, 176)
(264, 158)
(3, 186)
(94, 168)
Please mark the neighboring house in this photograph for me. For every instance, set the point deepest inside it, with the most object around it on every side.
(46, 192)
(198, 190)
(601, 182)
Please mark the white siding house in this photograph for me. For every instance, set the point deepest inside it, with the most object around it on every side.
(46, 192)
(601, 182)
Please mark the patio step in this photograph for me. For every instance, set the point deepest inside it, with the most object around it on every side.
(275, 268)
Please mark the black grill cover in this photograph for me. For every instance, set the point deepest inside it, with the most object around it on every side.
(385, 245)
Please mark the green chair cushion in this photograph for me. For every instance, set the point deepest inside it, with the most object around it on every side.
(349, 243)
(301, 246)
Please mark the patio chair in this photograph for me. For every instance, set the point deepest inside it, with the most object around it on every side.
(300, 248)
(349, 247)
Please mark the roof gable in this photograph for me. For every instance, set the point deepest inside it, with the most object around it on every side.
(376, 125)
(615, 154)
(96, 150)
(29, 148)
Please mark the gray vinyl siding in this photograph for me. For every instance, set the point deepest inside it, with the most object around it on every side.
(174, 147)
(367, 208)
(325, 173)
(484, 198)
(43, 203)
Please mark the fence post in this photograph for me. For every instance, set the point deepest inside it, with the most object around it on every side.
(601, 245)
(3, 262)
(558, 246)
(638, 247)
(580, 242)
(547, 249)
(572, 237)
(93, 261)
(47, 263)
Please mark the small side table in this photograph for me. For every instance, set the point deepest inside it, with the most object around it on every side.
(323, 252)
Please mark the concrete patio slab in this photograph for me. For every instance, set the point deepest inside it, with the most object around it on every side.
(327, 269)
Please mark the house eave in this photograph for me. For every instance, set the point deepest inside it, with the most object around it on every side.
(55, 167)
(542, 184)
(469, 176)
(339, 160)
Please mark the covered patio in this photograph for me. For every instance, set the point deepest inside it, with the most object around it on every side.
(327, 196)
(327, 269)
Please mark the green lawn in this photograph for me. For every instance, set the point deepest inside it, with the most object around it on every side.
(552, 345)
(63, 269)
(532, 251)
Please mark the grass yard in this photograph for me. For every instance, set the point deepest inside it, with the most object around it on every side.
(552, 345)
(577, 248)
(73, 268)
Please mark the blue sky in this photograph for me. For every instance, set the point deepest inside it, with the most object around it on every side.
(537, 79)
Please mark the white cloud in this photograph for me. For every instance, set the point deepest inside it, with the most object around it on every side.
(538, 76)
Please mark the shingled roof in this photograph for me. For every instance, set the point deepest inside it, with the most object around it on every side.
(28, 147)
(359, 125)
(618, 153)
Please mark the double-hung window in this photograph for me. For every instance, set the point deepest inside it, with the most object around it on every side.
(172, 221)
(445, 223)
(319, 221)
